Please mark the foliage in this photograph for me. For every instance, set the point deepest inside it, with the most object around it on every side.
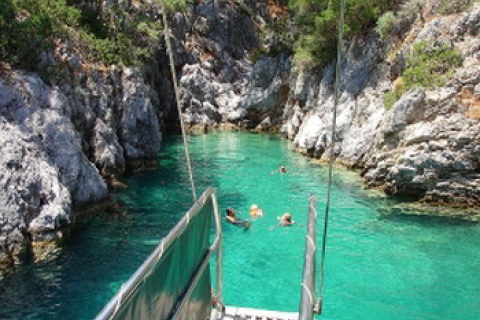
(385, 24)
(429, 65)
(27, 27)
(318, 19)
(276, 36)
(454, 6)
(114, 36)
(118, 37)
(389, 98)
(176, 5)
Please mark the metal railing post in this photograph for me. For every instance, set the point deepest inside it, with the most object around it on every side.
(219, 256)
(307, 297)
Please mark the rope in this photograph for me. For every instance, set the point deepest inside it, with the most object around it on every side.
(310, 296)
(119, 301)
(162, 250)
(332, 147)
(177, 99)
(312, 243)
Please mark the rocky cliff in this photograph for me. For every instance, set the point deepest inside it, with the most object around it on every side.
(220, 83)
(65, 141)
(427, 145)
(60, 143)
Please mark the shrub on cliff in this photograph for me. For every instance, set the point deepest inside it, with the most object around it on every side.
(28, 27)
(318, 20)
(112, 35)
(453, 6)
(176, 4)
(430, 64)
(385, 24)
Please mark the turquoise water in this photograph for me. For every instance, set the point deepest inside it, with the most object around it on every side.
(381, 264)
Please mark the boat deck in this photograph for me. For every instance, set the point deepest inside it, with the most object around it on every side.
(234, 313)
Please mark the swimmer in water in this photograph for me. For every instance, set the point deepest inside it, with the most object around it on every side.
(255, 211)
(286, 220)
(232, 218)
(282, 169)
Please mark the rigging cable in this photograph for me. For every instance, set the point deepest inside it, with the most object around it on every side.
(332, 151)
(177, 98)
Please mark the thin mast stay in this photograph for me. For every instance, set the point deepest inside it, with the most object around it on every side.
(332, 150)
(177, 98)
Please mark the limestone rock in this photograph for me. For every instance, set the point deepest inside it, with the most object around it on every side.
(426, 146)
(62, 145)
(469, 24)
(35, 203)
(406, 111)
(50, 134)
(139, 128)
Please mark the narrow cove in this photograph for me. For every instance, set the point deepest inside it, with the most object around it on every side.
(380, 263)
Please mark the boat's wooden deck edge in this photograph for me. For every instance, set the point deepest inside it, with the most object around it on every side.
(234, 313)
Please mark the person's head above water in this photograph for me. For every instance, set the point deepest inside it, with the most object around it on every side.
(230, 212)
(283, 169)
(288, 217)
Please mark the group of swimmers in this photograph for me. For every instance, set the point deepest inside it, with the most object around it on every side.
(284, 220)
(255, 212)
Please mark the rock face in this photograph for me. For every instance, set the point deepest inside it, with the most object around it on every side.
(435, 158)
(426, 146)
(360, 111)
(56, 141)
(219, 84)
(35, 204)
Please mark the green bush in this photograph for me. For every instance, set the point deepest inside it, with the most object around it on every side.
(389, 98)
(429, 65)
(385, 24)
(318, 19)
(176, 5)
(454, 6)
(30, 27)
(27, 27)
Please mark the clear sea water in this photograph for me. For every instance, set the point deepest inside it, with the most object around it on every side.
(380, 263)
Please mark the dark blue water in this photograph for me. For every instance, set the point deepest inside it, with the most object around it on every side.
(381, 263)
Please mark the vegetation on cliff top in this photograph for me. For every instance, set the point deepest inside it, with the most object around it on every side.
(121, 34)
(317, 23)
(127, 34)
